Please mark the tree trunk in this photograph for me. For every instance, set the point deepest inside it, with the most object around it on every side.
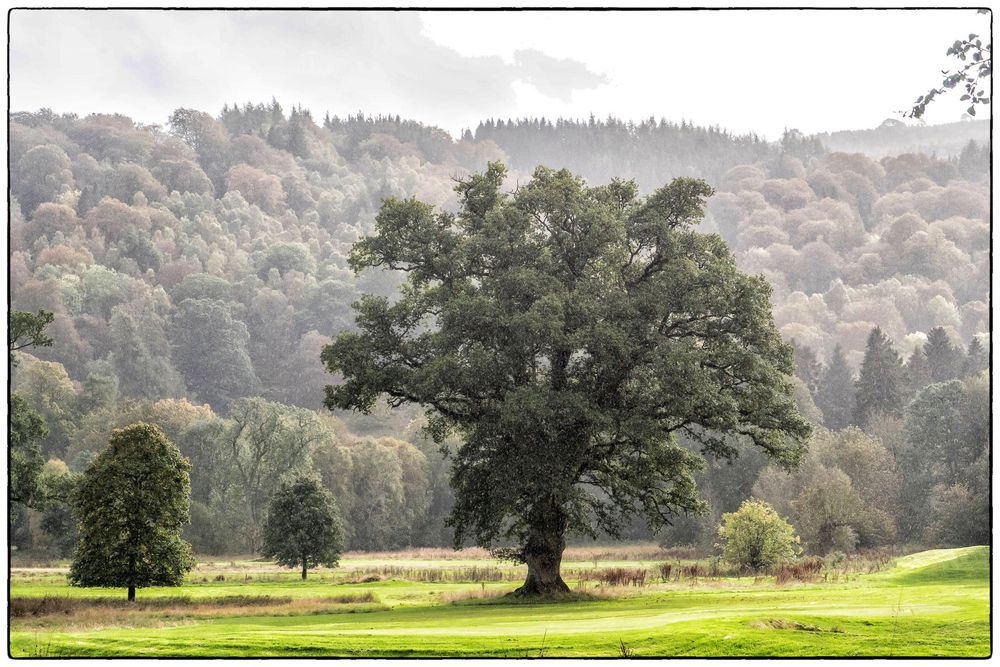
(304, 569)
(543, 552)
(131, 593)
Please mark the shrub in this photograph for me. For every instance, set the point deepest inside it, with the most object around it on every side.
(755, 538)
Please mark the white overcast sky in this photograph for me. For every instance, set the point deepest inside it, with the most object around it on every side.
(745, 70)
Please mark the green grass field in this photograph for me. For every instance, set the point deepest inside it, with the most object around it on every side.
(933, 603)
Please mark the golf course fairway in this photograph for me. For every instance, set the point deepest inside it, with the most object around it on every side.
(933, 603)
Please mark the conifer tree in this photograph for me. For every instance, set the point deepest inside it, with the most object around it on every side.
(835, 397)
(807, 367)
(943, 358)
(976, 359)
(879, 389)
(918, 371)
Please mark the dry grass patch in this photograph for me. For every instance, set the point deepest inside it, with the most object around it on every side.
(422, 553)
(473, 594)
(617, 553)
(617, 576)
(807, 569)
(76, 614)
(469, 574)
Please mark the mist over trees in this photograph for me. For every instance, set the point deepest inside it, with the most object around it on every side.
(194, 271)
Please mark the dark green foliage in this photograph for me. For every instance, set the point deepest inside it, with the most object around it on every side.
(977, 359)
(135, 245)
(879, 388)
(26, 428)
(575, 331)
(835, 397)
(209, 140)
(943, 359)
(131, 503)
(724, 484)
(959, 516)
(808, 367)
(303, 528)
(935, 429)
(57, 485)
(210, 349)
(947, 435)
(918, 371)
(26, 330)
(137, 340)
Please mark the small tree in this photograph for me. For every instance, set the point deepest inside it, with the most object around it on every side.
(303, 526)
(756, 538)
(131, 503)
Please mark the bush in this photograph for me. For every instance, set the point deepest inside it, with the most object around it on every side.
(755, 538)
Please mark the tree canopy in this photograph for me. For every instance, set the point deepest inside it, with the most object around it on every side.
(26, 330)
(303, 528)
(568, 333)
(132, 501)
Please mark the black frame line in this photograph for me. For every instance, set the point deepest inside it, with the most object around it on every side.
(370, 8)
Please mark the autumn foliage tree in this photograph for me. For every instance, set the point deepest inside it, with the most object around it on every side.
(568, 334)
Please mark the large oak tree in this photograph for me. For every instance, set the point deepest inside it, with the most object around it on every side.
(568, 334)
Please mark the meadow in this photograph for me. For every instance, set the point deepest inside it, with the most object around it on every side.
(626, 602)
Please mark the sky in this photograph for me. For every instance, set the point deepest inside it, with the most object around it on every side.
(744, 70)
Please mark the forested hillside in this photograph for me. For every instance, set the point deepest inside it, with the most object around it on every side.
(196, 270)
(893, 138)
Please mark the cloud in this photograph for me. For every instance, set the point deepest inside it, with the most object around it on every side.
(146, 63)
(556, 77)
